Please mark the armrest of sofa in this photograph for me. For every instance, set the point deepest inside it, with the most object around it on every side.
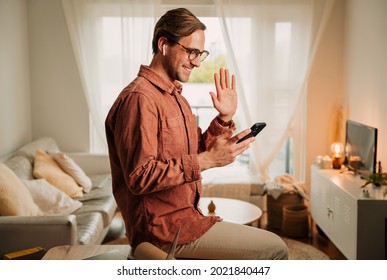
(92, 163)
(19, 232)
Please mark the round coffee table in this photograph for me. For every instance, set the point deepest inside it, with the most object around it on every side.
(232, 210)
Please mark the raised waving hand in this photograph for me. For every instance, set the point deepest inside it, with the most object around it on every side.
(225, 100)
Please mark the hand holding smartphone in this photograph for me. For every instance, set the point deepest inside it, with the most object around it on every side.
(255, 129)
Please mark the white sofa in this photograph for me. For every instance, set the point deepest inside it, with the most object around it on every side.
(89, 224)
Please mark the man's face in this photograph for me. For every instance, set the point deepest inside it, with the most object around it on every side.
(177, 64)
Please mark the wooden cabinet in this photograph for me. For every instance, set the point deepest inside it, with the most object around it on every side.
(353, 220)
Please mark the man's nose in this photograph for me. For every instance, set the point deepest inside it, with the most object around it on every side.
(196, 62)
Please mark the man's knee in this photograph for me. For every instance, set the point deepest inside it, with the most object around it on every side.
(280, 249)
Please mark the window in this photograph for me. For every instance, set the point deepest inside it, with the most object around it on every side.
(281, 90)
(201, 82)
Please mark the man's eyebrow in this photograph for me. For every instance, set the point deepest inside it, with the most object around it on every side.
(192, 49)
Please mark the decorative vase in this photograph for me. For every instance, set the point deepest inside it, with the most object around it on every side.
(211, 207)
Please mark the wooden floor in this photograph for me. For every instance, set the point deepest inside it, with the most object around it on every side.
(316, 238)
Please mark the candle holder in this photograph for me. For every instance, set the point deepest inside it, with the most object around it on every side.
(337, 150)
(336, 162)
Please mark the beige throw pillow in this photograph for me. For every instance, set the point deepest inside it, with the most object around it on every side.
(74, 170)
(15, 200)
(46, 168)
(51, 200)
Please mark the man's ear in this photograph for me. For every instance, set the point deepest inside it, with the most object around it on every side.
(161, 44)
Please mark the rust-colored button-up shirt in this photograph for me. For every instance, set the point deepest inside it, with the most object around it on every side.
(153, 142)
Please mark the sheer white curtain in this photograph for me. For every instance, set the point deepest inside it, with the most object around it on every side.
(270, 47)
(110, 38)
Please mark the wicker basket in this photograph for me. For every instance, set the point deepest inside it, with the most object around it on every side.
(295, 222)
(274, 207)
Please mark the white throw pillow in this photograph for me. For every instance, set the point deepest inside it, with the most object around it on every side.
(73, 169)
(45, 167)
(51, 200)
(15, 199)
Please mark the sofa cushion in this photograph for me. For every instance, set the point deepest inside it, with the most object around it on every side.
(51, 200)
(22, 160)
(100, 198)
(106, 206)
(45, 167)
(102, 187)
(90, 226)
(102, 181)
(45, 143)
(15, 200)
(21, 166)
(73, 169)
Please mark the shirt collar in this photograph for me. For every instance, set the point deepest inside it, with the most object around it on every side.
(158, 81)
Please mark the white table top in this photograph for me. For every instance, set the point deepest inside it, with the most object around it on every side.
(232, 210)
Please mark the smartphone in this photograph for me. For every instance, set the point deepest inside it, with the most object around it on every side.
(255, 129)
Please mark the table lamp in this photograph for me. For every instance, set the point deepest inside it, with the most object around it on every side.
(337, 150)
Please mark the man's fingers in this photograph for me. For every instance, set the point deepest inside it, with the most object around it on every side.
(227, 134)
(243, 145)
(237, 137)
(227, 78)
(222, 78)
(242, 134)
(223, 81)
(215, 101)
(233, 82)
(217, 82)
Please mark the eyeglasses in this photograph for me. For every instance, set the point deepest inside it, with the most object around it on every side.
(193, 53)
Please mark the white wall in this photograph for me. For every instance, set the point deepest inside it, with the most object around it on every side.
(350, 70)
(366, 66)
(59, 108)
(40, 90)
(15, 113)
(325, 87)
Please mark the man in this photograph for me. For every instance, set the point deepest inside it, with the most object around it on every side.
(157, 152)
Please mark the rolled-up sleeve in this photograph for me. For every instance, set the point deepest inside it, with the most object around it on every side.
(214, 130)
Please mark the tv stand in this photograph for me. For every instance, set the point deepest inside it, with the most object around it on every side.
(349, 171)
(352, 219)
(354, 172)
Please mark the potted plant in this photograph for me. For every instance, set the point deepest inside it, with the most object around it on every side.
(377, 179)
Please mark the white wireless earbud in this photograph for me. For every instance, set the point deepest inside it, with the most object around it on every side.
(164, 49)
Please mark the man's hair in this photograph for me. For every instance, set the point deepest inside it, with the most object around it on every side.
(174, 25)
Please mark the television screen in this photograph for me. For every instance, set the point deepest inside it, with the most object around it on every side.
(360, 148)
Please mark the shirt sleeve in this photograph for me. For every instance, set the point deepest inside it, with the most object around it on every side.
(215, 129)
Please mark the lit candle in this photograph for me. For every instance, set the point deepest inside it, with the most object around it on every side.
(337, 149)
